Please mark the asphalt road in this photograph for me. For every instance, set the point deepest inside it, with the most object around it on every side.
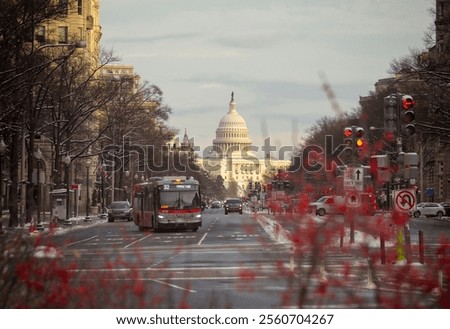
(232, 261)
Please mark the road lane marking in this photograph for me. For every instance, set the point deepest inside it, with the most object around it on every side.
(169, 284)
(143, 238)
(81, 241)
(203, 238)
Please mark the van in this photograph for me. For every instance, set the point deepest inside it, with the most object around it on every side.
(328, 204)
(335, 204)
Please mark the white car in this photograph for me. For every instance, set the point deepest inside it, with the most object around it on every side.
(429, 209)
(327, 205)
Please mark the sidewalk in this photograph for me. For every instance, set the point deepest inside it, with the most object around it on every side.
(59, 227)
(361, 270)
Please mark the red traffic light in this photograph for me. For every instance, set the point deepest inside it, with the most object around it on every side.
(348, 132)
(407, 102)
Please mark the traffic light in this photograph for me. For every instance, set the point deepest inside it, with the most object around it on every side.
(408, 116)
(360, 143)
(391, 117)
(349, 140)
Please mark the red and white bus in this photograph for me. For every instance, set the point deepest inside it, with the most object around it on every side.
(167, 202)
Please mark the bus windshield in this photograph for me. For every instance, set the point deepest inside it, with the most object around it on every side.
(179, 200)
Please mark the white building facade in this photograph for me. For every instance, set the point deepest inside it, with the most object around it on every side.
(232, 157)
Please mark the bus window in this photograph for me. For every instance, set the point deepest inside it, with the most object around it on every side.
(169, 200)
(190, 199)
(179, 200)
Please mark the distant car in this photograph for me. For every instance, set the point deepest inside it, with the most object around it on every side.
(429, 209)
(120, 210)
(216, 204)
(446, 206)
(233, 205)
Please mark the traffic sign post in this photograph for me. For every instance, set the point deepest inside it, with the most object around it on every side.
(405, 202)
(352, 199)
(354, 179)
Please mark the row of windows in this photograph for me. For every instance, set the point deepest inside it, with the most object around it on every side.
(232, 135)
(118, 71)
(63, 34)
(246, 178)
(64, 4)
(63, 31)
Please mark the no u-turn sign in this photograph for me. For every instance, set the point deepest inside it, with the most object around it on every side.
(405, 200)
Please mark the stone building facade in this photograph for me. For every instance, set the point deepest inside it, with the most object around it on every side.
(232, 157)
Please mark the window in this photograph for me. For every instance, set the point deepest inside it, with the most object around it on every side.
(440, 9)
(40, 34)
(62, 34)
(64, 5)
(80, 34)
(80, 7)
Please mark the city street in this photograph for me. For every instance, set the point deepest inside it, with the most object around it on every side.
(233, 260)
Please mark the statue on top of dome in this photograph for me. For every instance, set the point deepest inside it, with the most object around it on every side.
(232, 96)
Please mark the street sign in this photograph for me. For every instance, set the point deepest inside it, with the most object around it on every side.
(405, 200)
(354, 179)
(352, 199)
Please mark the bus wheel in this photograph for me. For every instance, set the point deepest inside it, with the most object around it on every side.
(141, 228)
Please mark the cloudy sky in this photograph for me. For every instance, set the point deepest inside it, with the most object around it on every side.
(271, 53)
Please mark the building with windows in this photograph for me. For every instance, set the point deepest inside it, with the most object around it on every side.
(80, 24)
(429, 88)
(75, 33)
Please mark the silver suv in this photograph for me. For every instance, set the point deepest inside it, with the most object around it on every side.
(429, 209)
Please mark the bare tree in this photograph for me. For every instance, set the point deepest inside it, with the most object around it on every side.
(20, 66)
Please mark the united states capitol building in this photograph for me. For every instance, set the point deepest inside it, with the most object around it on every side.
(233, 157)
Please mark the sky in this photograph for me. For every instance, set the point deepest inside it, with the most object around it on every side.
(273, 54)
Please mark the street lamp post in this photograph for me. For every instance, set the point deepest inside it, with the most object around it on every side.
(3, 148)
(103, 215)
(79, 44)
(38, 156)
(67, 161)
(88, 165)
(127, 187)
(112, 182)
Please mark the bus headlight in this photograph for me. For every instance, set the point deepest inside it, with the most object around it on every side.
(160, 216)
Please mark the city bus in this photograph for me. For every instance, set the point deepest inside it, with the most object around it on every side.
(171, 202)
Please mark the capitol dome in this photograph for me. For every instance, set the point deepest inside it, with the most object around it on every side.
(232, 131)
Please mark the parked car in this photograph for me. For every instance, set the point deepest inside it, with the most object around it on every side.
(233, 205)
(216, 204)
(446, 206)
(429, 209)
(120, 210)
